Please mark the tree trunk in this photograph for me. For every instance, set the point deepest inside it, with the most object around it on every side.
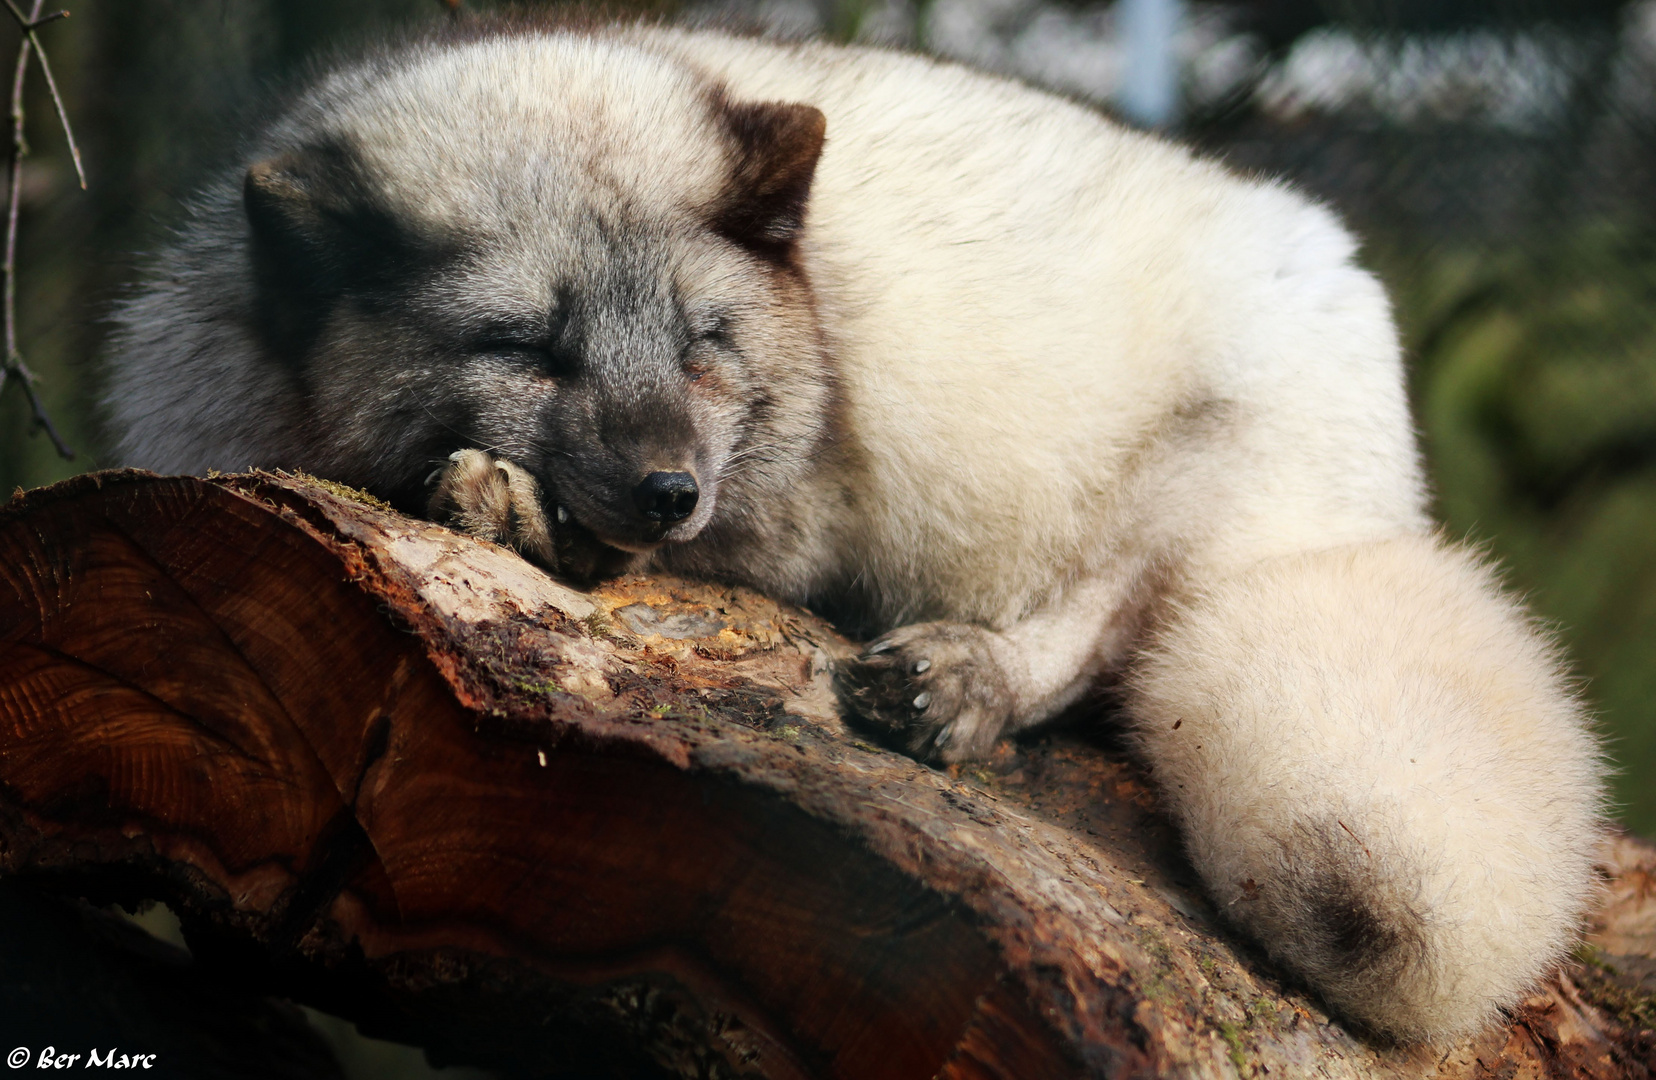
(406, 777)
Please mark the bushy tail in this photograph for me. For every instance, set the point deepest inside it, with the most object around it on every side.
(1381, 773)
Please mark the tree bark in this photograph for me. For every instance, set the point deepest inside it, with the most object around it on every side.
(406, 777)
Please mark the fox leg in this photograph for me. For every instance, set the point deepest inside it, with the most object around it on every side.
(945, 691)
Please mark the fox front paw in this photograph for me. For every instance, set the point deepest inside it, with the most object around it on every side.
(933, 689)
(494, 499)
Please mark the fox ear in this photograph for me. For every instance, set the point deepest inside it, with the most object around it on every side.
(318, 229)
(279, 195)
(776, 151)
(314, 210)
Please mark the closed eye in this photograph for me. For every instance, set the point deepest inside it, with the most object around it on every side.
(706, 343)
(698, 356)
(542, 358)
(716, 331)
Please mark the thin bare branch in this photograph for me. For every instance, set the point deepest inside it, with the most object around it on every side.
(38, 408)
(23, 21)
(63, 114)
(14, 194)
(14, 367)
(28, 24)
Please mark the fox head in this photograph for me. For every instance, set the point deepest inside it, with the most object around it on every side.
(579, 256)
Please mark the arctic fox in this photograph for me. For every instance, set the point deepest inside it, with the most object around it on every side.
(1029, 398)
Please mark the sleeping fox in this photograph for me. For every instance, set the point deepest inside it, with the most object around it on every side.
(1027, 398)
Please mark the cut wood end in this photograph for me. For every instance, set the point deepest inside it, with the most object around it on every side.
(404, 775)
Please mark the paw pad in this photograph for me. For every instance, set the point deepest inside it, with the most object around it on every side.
(932, 689)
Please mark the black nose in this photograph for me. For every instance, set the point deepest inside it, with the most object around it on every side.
(666, 496)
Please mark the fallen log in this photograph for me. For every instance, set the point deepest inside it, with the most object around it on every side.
(405, 777)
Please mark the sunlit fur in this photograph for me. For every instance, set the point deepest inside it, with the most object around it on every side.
(1041, 398)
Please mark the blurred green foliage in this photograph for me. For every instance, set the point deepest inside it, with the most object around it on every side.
(158, 92)
(1534, 379)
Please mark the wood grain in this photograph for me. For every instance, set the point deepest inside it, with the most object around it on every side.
(404, 776)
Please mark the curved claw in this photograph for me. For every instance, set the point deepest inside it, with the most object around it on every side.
(933, 690)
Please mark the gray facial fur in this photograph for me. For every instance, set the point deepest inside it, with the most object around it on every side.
(400, 272)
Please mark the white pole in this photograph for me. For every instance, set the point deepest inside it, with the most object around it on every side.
(1150, 92)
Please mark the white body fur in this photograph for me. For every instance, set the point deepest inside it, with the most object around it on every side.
(1114, 408)
(1112, 368)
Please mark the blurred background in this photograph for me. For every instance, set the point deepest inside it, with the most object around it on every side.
(1498, 158)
